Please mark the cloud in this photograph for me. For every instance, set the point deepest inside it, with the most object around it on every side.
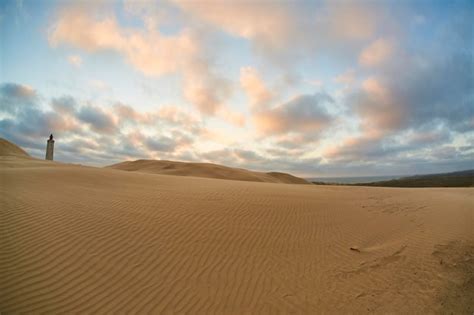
(168, 116)
(19, 91)
(437, 89)
(304, 113)
(166, 144)
(204, 89)
(26, 121)
(403, 111)
(99, 85)
(232, 117)
(315, 82)
(177, 115)
(126, 113)
(366, 147)
(254, 87)
(76, 25)
(347, 77)
(378, 108)
(280, 30)
(162, 144)
(97, 119)
(413, 108)
(352, 21)
(252, 20)
(149, 51)
(297, 142)
(75, 60)
(247, 156)
(405, 85)
(64, 104)
(443, 91)
(88, 133)
(13, 97)
(376, 53)
(371, 148)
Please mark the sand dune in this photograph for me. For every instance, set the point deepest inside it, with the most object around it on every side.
(207, 170)
(87, 240)
(83, 239)
(10, 149)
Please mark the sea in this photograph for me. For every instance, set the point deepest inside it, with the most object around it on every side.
(353, 180)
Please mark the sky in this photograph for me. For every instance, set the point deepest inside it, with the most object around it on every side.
(314, 88)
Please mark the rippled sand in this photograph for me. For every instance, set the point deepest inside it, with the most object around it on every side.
(82, 239)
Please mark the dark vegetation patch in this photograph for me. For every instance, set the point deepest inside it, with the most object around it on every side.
(455, 179)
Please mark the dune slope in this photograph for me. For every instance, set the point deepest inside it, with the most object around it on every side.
(207, 170)
(85, 240)
(8, 148)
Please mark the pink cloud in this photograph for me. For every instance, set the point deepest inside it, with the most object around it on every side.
(352, 21)
(374, 87)
(282, 27)
(76, 26)
(353, 147)
(252, 20)
(254, 87)
(376, 53)
(302, 114)
(378, 108)
(148, 51)
(232, 117)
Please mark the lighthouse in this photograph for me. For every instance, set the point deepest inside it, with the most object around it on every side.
(50, 148)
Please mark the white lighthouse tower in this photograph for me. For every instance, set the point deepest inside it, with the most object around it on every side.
(50, 148)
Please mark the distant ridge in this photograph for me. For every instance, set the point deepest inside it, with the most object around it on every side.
(453, 179)
(8, 148)
(207, 170)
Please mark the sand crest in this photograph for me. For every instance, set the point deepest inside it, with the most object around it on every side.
(207, 170)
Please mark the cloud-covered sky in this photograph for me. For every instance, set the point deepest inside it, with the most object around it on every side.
(315, 88)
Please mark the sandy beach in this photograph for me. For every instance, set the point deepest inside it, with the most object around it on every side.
(93, 240)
